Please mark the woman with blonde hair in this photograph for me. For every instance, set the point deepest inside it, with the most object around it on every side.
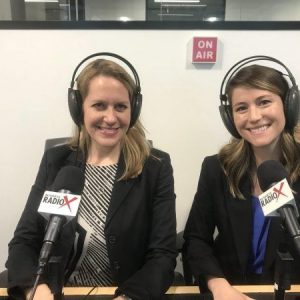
(125, 232)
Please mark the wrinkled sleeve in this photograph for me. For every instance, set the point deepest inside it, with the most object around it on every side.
(27, 240)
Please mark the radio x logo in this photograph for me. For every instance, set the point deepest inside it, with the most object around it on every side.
(67, 202)
(279, 191)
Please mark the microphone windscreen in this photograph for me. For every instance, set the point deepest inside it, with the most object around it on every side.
(270, 172)
(69, 178)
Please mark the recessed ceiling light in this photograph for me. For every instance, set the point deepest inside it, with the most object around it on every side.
(212, 19)
(124, 19)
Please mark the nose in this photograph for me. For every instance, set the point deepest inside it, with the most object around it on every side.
(254, 114)
(110, 115)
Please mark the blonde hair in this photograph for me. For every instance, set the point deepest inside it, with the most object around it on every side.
(135, 146)
(237, 157)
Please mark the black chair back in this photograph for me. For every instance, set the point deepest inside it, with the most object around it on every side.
(3, 279)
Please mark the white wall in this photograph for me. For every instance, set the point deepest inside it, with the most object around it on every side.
(180, 108)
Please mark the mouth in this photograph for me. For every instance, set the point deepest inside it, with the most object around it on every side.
(108, 130)
(258, 130)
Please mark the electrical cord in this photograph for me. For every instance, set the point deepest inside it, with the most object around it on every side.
(91, 290)
(33, 290)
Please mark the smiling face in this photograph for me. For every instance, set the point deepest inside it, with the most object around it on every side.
(258, 116)
(106, 111)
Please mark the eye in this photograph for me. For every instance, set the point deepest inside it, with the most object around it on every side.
(264, 102)
(120, 107)
(99, 105)
(240, 108)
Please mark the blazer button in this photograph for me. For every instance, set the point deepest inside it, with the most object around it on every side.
(116, 265)
(112, 239)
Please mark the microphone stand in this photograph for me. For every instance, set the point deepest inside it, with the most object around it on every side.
(283, 267)
(52, 232)
(43, 260)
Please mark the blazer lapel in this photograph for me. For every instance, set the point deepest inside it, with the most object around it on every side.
(120, 190)
(77, 160)
(240, 216)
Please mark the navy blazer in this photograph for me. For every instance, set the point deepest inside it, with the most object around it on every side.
(140, 230)
(228, 254)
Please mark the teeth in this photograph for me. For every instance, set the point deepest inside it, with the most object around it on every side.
(106, 128)
(258, 130)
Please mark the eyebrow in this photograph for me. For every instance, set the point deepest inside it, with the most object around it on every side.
(239, 103)
(104, 100)
(258, 98)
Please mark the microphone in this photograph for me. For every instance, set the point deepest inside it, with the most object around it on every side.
(59, 206)
(278, 198)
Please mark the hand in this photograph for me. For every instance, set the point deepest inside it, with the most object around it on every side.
(222, 290)
(42, 293)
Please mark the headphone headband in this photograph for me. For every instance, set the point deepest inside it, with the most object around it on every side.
(125, 61)
(237, 66)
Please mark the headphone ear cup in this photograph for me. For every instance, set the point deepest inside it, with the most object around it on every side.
(291, 108)
(75, 106)
(228, 120)
(136, 108)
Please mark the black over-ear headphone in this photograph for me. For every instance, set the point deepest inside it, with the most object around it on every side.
(291, 101)
(75, 100)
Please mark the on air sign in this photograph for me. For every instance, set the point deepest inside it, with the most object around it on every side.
(204, 49)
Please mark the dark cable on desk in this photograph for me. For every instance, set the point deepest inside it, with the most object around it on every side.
(33, 290)
(86, 296)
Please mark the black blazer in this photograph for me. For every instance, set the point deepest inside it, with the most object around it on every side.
(228, 254)
(140, 230)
